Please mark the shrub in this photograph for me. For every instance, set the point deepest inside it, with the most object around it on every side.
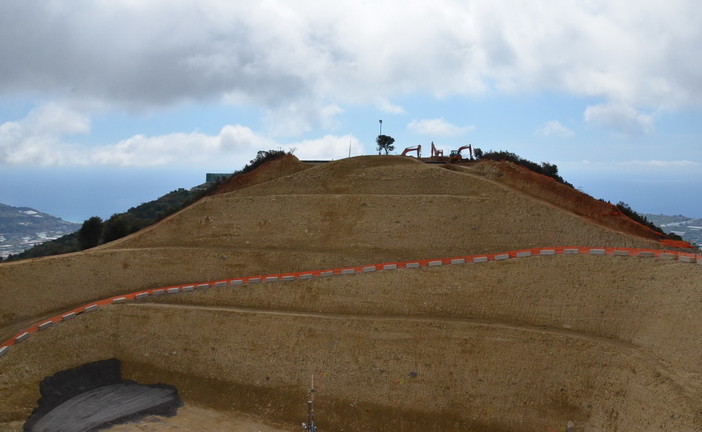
(116, 227)
(262, 157)
(627, 210)
(90, 232)
(545, 168)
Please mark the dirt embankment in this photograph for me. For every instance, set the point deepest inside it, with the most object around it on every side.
(607, 342)
(527, 344)
(194, 418)
(351, 212)
(565, 197)
(280, 167)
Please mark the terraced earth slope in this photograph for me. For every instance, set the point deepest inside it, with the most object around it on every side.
(607, 343)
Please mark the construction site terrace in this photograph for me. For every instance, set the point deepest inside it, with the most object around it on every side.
(469, 296)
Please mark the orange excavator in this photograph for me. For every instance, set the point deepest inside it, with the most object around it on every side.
(456, 154)
(436, 152)
(418, 149)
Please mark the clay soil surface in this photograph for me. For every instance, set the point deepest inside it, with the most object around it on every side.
(192, 418)
(610, 343)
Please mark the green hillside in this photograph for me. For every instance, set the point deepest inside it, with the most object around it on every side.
(117, 226)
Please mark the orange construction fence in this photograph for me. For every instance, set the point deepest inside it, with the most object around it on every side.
(283, 277)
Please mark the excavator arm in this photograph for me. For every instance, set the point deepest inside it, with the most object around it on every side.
(469, 147)
(456, 154)
(418, 149)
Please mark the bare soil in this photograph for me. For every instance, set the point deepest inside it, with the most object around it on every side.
(197, 419)
(610, 343)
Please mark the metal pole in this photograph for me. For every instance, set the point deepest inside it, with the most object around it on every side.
(312, 427)
(381, 127)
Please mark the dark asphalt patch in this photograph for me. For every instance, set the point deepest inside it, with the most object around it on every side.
(93, 397)
(106, 406)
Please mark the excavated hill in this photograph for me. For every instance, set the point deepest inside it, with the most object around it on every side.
(350, 212)
(609, 343)
(547, 189)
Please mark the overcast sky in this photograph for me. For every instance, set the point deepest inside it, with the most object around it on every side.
(107, 104)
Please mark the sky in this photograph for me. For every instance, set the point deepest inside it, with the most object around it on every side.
(108, 104)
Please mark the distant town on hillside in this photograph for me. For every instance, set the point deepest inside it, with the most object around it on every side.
(22, 228)
(690, 229)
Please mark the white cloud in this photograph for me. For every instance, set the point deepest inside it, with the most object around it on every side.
(438, 127)
(619, 118)
(327, 148)
(555, 128)
(632, 167)
(233, 143)
(180, 149)
(662, 163)
(50, 119)
(297, 118)
(388, 107)
(39, 137)
(54, 119)
(37, 140)
(276, 55)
